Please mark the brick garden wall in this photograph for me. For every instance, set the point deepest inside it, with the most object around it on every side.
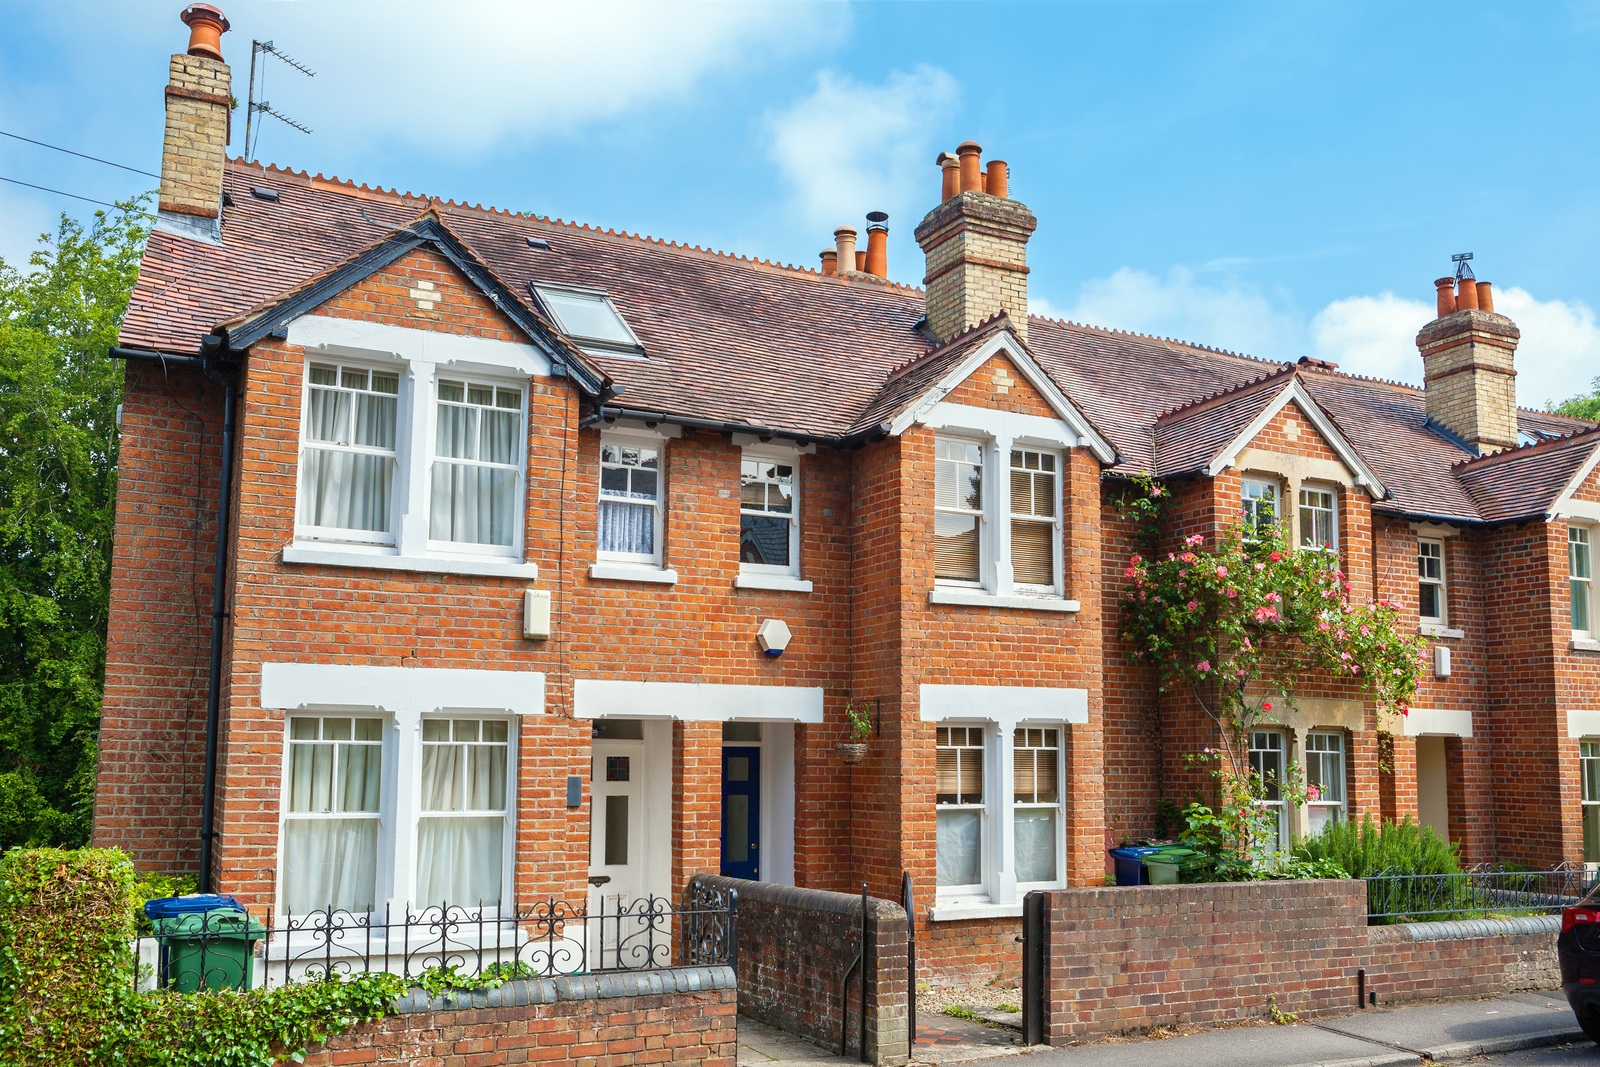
(1129, 959)
(795, 946)
(686, 1016)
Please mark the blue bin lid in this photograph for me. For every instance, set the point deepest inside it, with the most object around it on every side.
(169, 907)
(1134, 852)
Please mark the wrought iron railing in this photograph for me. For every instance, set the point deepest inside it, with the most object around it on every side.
(547, 939)
(1483, 892)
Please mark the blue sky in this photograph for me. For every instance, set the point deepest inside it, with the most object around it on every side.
(1283, 179)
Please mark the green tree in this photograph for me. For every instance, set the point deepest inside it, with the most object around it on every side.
(1582, 406)
(59, 394)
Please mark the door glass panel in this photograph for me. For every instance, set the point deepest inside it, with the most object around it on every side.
(741, 731)
(617, 830)
(738, 768)
(617, 768)
(736, 812)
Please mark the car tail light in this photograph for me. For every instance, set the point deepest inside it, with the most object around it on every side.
(1572, 917)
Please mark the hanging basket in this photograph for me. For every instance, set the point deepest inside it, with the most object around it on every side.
(852, 752)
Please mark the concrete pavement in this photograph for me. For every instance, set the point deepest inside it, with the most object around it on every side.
(1407, 1036)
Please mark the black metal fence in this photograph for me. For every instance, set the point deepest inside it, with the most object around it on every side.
(547, 939)
(1479, 893)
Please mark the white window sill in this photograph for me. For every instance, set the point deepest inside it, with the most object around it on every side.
(977, 598)
(779, 582)
(1433, 629)
(957, 910)
(349, 556)
(633, 572)
(1585, 644)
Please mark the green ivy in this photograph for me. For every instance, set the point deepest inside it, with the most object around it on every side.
(67, 996)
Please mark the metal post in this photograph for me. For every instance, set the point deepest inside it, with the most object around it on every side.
(1033, 992)
(908, 900)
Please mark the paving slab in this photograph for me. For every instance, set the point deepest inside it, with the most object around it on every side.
(1461, 1029)
(1237, 1046)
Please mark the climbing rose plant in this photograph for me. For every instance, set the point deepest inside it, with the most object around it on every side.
(1232, 620)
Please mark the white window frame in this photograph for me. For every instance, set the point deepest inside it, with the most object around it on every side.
(986, 535)
(1057, 585)
(1339, 810)
(384, 860)
(787, 457)
(604, 346)
(1304, 510)
(519, 468)
(1439, 582)
(1250, 505)
(981, 890)
(508, 842)
(634, 439)
(304, 530)
(1588, 752)
(1059, 807)
(1580, 545)
(1280, 805)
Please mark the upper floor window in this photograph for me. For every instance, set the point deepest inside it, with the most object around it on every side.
(331, 820)
(1580, 555)
(630, 499)
(478, 464)
(1319, 523)
(960, 816)
(347, 452)
(769, 515)
(1430, 580)
(1035, 518)
(1260, 507)
(958, 510)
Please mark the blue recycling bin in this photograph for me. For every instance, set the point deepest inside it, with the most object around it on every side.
(1130, 866)
(172, 907)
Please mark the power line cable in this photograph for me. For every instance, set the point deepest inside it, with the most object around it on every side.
(80, 155)
(58, 192)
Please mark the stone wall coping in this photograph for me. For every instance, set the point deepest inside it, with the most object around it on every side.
(572, 987)
(1462, 929)
(816, 900)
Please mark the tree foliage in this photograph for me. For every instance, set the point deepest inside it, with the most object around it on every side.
(1582, 406)
(59, 394)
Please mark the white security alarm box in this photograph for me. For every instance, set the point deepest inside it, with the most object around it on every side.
(536, 614)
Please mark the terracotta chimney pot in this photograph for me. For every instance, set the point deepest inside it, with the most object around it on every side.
(830, 262)
(949, 174)
(1447, 295)
(861, 262)
(1467, 295)
(878, 244)
(997, 178)
(1485, 297)
(971, 156)
(206, 25)
(844, 243)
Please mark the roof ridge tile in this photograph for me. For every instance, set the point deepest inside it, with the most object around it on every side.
(1506, 454)
(1189, 407)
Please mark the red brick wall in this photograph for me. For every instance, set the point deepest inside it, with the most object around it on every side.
(1129, 959)
(699, 1028)
(152, 723)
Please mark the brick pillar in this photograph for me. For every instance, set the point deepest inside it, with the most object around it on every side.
(1371, 790)
(1403, 788)
(696, 801)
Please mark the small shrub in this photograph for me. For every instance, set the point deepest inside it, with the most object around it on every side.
(1373, 847)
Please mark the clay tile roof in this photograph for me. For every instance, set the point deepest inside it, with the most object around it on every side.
(1523, 483)
(1190, 437)
(738, 341)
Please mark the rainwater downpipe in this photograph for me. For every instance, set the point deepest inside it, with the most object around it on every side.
(219, 615)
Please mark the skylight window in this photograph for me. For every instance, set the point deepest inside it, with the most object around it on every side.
(591, 318)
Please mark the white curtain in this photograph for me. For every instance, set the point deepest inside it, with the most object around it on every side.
(341, 489)
(473, 503)
(330, 863)
(1036, 845)
(960, 845)
(627, 528)
(460, 859)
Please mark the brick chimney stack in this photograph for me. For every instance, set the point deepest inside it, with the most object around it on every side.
(199, 111)
(976, 244)
(1467, 365)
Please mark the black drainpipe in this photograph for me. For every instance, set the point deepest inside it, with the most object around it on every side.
(219, 615)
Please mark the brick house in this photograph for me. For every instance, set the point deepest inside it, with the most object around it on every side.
(550, 556)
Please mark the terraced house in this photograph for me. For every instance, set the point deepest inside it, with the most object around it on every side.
(465, 554)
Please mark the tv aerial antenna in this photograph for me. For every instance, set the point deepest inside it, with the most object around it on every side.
(1462, 260)
(255, 106)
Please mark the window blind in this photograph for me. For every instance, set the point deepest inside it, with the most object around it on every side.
(1032, 552)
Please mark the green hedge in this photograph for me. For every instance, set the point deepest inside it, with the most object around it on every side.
(67, 990)
(1372, 847)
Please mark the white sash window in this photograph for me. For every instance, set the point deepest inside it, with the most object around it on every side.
(958, 535)
(630, 499)
(461, 836)
(331, 825)
(347, 453)
(478, 462)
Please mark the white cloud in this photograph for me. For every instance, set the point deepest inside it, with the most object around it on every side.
(1558, 356)
(1231, 315)
(473, 74)
(850, 147)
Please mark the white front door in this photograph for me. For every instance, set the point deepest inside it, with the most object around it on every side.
(623, 928)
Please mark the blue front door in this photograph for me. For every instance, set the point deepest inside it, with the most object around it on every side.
(741, 813)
